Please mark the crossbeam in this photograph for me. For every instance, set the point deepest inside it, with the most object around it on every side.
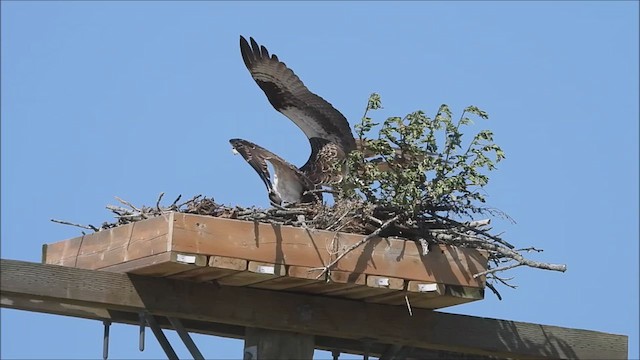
(228, 310)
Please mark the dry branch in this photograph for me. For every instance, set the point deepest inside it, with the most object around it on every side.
(385, 225)
(88, 227)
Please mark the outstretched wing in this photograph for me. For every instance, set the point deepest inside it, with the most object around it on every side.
(288, 178)
(312, 114)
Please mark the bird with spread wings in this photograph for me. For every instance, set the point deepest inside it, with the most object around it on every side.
(328, 131)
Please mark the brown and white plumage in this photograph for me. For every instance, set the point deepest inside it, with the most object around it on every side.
(289, 182)
(328, 131)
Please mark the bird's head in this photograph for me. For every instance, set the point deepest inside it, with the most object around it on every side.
(275, 198)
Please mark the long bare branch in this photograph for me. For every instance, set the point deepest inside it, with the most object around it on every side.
(354, 246)
(475, 230)
(88, 227)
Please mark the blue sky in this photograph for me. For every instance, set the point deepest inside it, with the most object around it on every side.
(130, 99)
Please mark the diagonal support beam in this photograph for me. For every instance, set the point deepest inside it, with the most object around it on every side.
(186, 339)
(162, 339)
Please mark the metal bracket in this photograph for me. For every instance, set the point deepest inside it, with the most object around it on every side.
(335, 354)
(143, 323)
(148, 319)
(105, 340)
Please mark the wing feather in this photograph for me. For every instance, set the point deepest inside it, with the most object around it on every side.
(258, 157)
(287, 94)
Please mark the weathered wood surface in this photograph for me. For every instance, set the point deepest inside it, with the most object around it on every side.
(99, 294)
(295, 246)
(265, 344)
(197, 234)
(239, 253)
(113, 246)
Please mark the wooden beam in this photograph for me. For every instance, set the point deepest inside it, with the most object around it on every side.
(225, 330)
(89, 292)
(261, 344)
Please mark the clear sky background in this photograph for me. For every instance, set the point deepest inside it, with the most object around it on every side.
(130, 99)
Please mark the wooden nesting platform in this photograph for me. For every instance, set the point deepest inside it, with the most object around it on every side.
(260, 255)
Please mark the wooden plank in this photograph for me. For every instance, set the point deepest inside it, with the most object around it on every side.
(163, 264)
(347, 277)
(221, 262)
(218, 267)
(295, 246)
(152, 263)
(306, 314)
(257, 271)
(339, 280)
(374, 286)
(464, 292)
(304, 272)
(252, 241)
(427, 289)
(430, 296)
(201, 274)
(385, 282)
(53, 307)
(404, 259)
(63, 252)
(43, 259)
(419, 295)
(267, 268)
(296, 276)
(113, 246)
(453, 295)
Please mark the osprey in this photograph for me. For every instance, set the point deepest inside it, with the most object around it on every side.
(328, 131)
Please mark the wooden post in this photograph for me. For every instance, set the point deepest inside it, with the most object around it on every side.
(260, 344)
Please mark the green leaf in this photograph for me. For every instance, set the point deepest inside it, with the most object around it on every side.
(426, 162)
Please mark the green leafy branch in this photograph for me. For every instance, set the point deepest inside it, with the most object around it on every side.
(418, 164)
(420, 173)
